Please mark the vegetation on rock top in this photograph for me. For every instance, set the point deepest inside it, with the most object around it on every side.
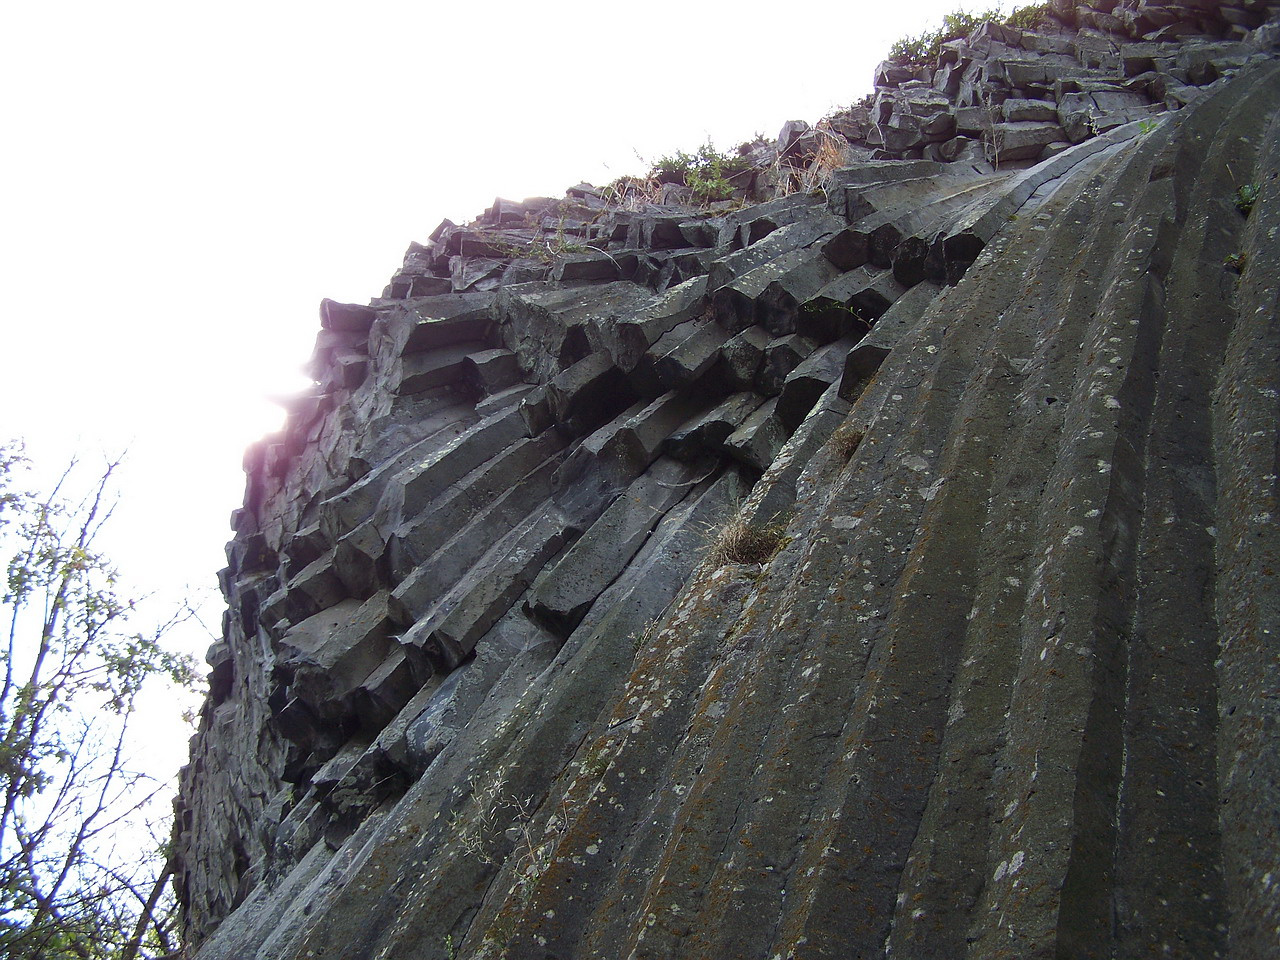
(927, 47)
(707, 172)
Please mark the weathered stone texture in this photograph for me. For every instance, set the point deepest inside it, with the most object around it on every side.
(1004, 683)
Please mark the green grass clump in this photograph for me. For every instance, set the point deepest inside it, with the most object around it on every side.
(1246, 197)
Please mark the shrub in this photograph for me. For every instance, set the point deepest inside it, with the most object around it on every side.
(927, 47)
(1028, 17)
(706, 173)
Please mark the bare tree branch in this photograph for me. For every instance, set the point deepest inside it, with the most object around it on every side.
(130, 951)
(70, 681)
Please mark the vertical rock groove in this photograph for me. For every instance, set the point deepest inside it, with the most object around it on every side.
(990, 670)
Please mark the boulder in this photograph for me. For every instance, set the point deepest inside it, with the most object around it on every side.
(330, 653)
(1038, 111)
(1024, 140)
(346, 317)
(782, 356)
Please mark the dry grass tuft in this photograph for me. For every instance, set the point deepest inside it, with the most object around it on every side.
(830, 158)
(633, 193)
(742, 540)
(846, 442)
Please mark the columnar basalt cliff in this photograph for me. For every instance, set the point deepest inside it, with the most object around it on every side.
(885, 567)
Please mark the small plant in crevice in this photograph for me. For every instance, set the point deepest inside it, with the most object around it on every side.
(1236, 262)
(530, 854)
(992, 129)
(642, 637)
(559, 245)
(1246, 196)
(743, 540)
(549, 247)
(595, 765)
(494, 805)
(845, 442)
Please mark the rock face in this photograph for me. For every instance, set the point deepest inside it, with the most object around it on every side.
(883, 571)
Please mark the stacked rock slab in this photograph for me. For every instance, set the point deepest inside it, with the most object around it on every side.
(1005, 686)
(1009, 95)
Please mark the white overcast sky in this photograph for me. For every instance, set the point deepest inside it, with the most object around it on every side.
(184, 182)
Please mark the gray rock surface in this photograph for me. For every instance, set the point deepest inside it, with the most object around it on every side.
(889, 572)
